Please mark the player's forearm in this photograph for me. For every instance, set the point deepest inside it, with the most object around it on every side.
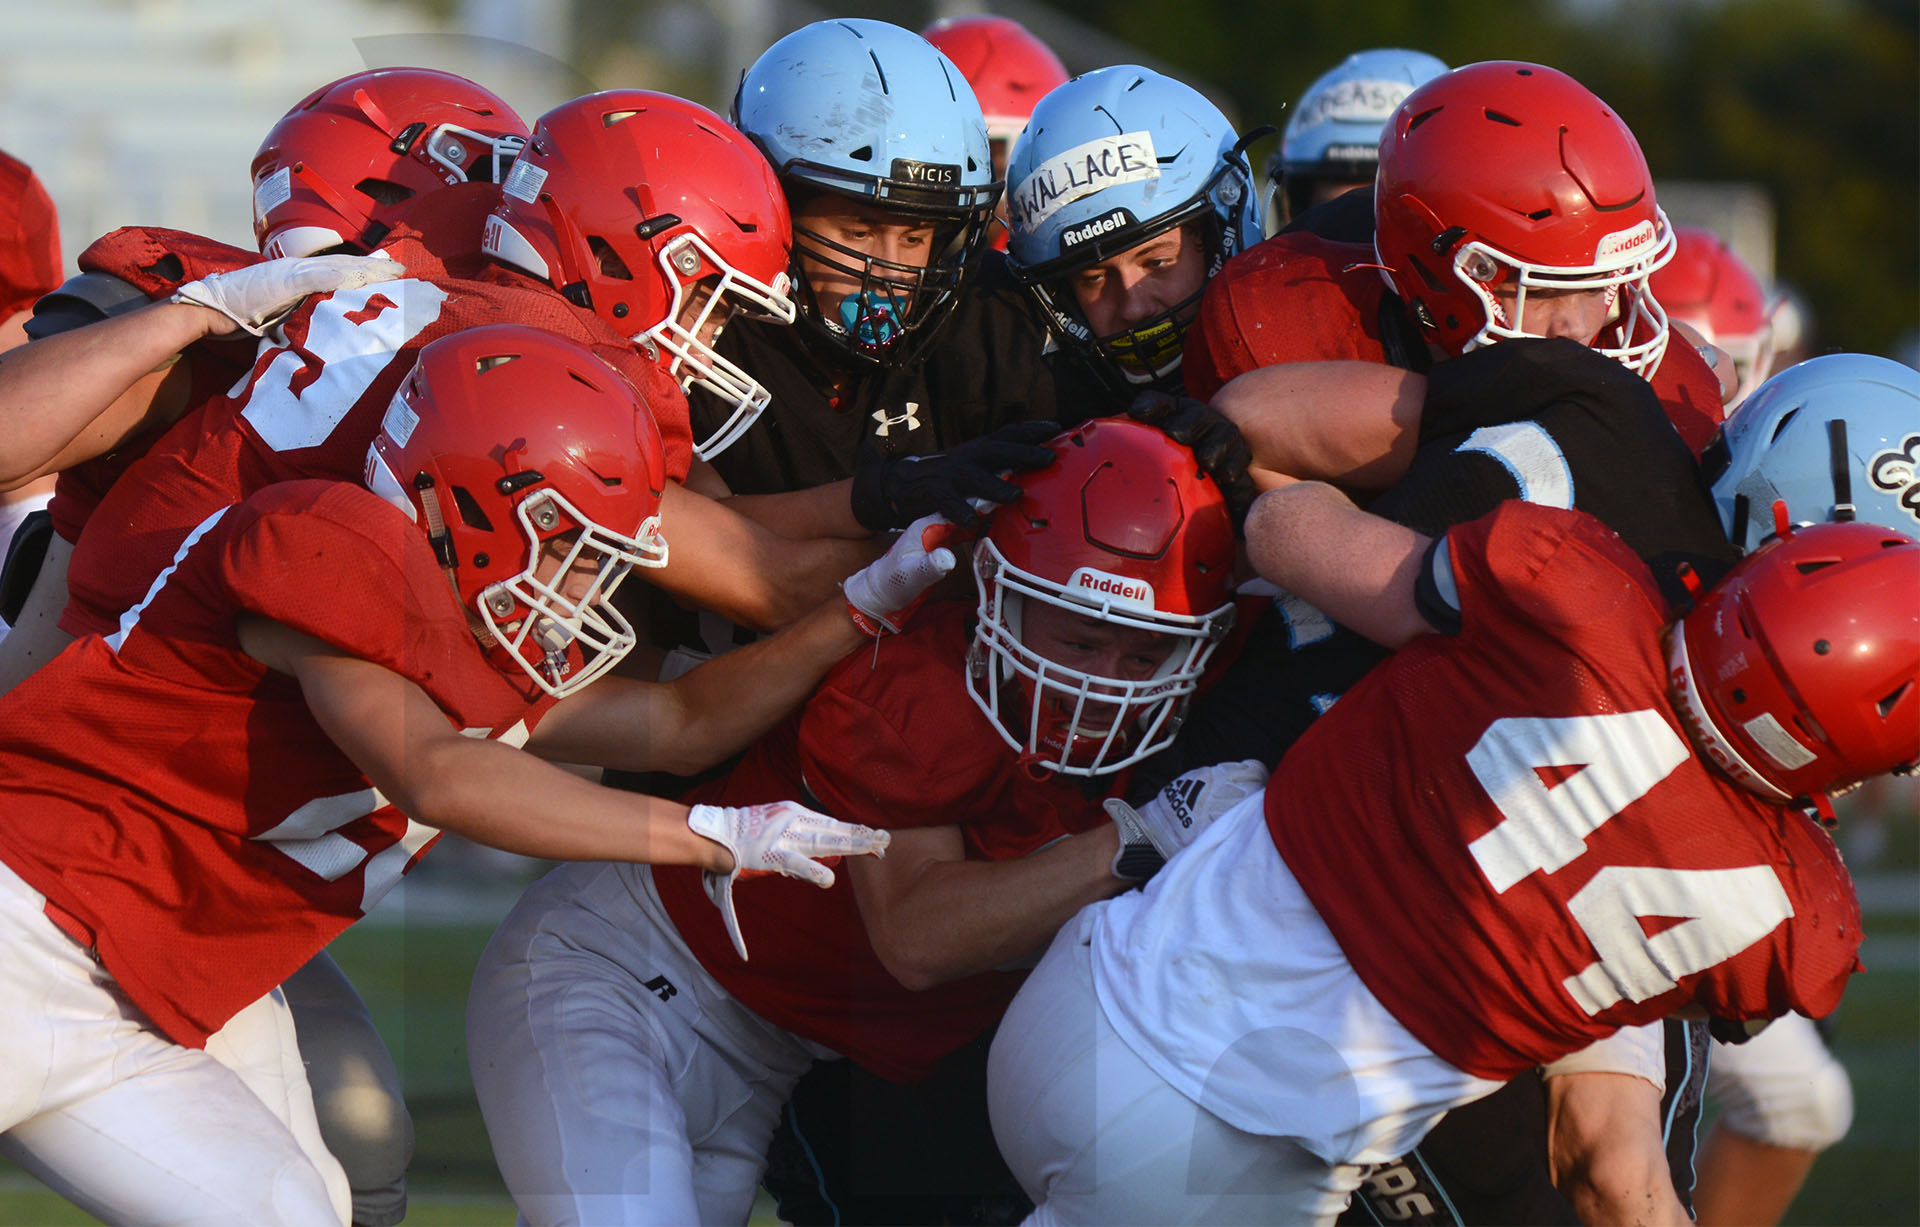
(1354, 424)
(722, 561)
(1358, 569)
(1644, 1201)
(505, 798)
(1605, 1150)
(821, 511)
(731, 700)
(959, 918)
(52, 390)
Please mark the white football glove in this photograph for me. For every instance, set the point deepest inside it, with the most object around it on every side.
(261, 295)
(780, 837)
(882, 595)
(1174, 817)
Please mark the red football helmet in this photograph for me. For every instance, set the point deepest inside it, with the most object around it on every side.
(502, 440)
(1799, 673)
(635, 205)
(1007, 66)
(1708, 286)
(1123, 529)
(1010, 70)
(1515, 177)
(344, 164)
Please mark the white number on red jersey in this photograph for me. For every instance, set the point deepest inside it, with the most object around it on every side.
(1725, 910)
(311, 836)
(1615, 759)
(351, 337)
(1619, 759)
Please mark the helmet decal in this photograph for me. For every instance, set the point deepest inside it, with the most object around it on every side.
(1077, 173)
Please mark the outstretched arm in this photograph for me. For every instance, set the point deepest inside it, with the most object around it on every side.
(491, 793)
(1354, 424)
(725, 562)
(76, 394)
(705, 715)
(934, 916)
(717, 709)
(1359, 569)
(58, 389)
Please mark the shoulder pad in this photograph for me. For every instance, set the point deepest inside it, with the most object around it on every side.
(86, 298)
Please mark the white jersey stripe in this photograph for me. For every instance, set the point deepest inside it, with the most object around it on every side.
(132, 616)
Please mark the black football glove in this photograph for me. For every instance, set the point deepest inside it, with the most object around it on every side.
(894, 491)
(1215, 442)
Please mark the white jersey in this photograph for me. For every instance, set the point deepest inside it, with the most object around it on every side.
(1223, 979)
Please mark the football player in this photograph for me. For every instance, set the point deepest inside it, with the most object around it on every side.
(1550, 755)
(30, 256)
(1332, 141)
(1834, 438)
(1127, 192)
(1510, 202)
(1010, 70)
(399, 156)
(29, 267)
(309, 694)
(631, 1062)
(1710, 288)
(911, 343)
(406, 160)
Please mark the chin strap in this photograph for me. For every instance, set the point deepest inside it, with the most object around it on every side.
(1843, 508)
(1823, 810)
(442, 542)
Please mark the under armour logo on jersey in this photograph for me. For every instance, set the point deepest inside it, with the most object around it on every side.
(910, 417)
(662, 988)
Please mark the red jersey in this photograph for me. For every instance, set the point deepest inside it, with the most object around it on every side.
(1301, 298)
(310, 406)
(1294, 298)
(191, 819)
(156, 261)
(1563, 864)
(29, 238)
(896, 742)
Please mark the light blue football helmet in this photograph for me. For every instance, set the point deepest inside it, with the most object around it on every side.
(1334, 132)
(874, 112)
(1108, 161)
(1836, 437)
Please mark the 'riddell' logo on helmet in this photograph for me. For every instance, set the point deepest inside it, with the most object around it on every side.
(1622, 243)
(1116, 589)
(1116, 220)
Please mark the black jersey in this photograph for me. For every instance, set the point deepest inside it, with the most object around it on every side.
(1549, 421)
(991, 363)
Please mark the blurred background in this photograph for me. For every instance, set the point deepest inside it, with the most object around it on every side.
(1791, 127)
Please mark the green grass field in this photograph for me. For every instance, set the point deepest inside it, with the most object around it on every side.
(414, 974)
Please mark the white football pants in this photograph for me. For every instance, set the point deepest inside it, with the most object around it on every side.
(135, 1128)
(620, 1083)
(1095, 1136)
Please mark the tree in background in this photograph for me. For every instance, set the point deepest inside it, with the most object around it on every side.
(1813, 100)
